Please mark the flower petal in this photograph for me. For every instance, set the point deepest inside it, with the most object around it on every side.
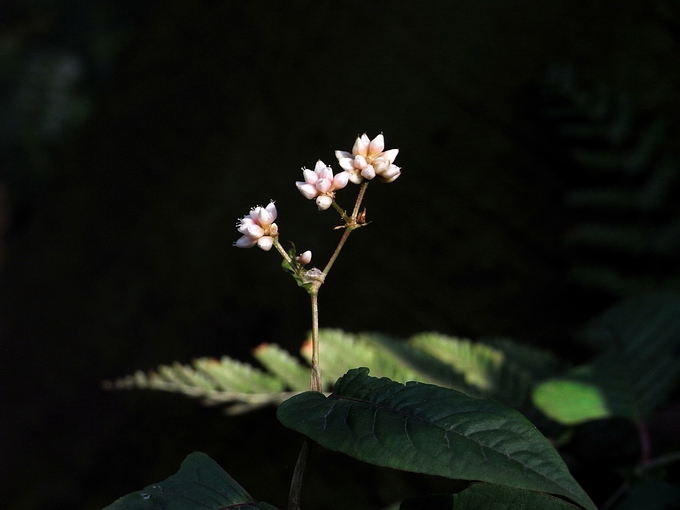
(310, 176)
(368, 172)
(340, 180)
(309, 191)
(244, 224)
(245, 242)
(390, 155)
(271, 209)
(325, 173)
(255, 231)
(355, 177)
(360, 145)
(376, 146)
(360, 162)
(391, 173)
(323, 185)
(347, 163)
(265, 243)
(324, 202)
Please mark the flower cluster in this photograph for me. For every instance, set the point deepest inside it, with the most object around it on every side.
(368, 159)
(321, 184)
(258, 227)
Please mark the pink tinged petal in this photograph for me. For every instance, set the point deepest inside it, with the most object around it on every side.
(347, 163)
(380, 165)
(340, 180)
(355, 177)
(309, 175)
(343, 154)
(391, 174)
(305, 258)
(244, 224)
(376, 146)
(271, 209)
(390, 155)
(323, 185)
(255, 231)
(368, 172)
(245, 242)
(361, 145)
(308, 191)
(265, 243)
(326, 173)
(320, 165)
(263, 217)
(324, 202)
(360, 162)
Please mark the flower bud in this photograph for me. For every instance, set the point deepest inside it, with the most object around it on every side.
(305, 257)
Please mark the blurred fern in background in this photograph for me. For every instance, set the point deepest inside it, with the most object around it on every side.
(625, 236)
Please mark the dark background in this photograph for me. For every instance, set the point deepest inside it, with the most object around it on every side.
(135, 134)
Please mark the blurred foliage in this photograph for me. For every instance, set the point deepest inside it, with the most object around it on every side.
(52, 62)
(625, 235)
(636, 369)
(507, 374)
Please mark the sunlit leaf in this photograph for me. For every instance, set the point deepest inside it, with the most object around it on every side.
(640, 364)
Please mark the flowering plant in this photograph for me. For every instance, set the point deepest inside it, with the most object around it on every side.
(366, 161)
(419, 427)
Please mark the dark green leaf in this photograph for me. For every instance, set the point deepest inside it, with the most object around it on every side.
(428, 429)
(200, 483)
(486, 496)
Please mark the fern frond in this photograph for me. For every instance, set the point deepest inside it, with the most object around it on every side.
(284, 366)
(628, 181)
(499, 369)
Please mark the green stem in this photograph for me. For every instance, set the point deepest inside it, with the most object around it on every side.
(350, 224)
(283, 253)
(315, 383)
(360, 197)
(345, 235)
(341, 212)
(295, 494)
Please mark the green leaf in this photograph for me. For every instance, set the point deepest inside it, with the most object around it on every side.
(571, 402)
(232, 375)
(485, 496)
(497, 368)
(433, 430)
(280, 363)
(634, 374)
(200, 483)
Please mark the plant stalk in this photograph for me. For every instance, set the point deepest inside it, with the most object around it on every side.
(315, 383)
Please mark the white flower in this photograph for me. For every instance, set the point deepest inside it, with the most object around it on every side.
(258, 228)
(321, 184)
(368, 159)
